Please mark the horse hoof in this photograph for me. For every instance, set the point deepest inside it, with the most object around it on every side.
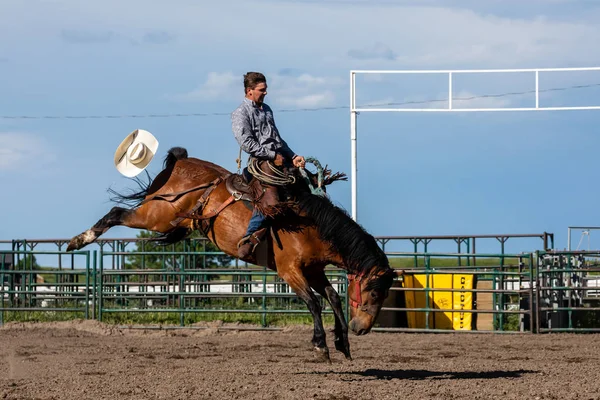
(343, 348)
(81, 240)
(74, 244)
(322, 354)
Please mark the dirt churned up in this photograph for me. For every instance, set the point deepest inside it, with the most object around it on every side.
(91, 360)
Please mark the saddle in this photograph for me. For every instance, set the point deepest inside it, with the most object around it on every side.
(239, 189)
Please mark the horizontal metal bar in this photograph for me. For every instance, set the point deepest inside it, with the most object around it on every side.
(72, 293)
(569, 308)
(474, 71)
(465, 255)
(133, 295)
(455, 310)
(41, 309)
(26, 252)
(191, 283)
(81, 272)
(187, 253)
(562, 288)
(211, 310)
(549, 330)
(218, 328)
(187, 272)
(422, 330)
(506, 291)
(454, 237)
(451, 110)
(439, 271)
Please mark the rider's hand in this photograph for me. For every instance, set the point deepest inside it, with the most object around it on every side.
(299, 162)
(278, 160)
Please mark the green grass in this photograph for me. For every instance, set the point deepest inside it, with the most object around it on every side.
(168, 318)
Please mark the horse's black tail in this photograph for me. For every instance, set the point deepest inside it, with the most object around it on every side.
(174, 154)
(136, 197)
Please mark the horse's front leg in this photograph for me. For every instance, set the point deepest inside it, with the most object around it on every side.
(319, 282)
(300, 286)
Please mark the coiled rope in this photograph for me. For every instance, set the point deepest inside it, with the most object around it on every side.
(280, 178)
(277, 177)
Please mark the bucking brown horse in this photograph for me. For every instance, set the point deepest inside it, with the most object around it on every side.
(192, 194)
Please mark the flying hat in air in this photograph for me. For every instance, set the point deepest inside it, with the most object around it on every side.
(135, 152)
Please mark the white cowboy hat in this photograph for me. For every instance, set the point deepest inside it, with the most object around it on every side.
(135, 152)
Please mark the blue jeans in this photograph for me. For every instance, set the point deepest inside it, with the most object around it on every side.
(255, 222)
(257, 218)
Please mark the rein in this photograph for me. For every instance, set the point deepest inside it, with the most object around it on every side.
(319, 189)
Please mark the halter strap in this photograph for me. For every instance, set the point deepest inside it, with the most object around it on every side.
(358, 303)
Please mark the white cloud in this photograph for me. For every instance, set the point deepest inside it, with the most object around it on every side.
(316, 100)
(407, 34)
(22, 150)
(377, 51)
(304, 90)
(158, 37)
(218, 85)
(87, 37)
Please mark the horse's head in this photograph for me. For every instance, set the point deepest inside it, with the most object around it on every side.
(366, 294)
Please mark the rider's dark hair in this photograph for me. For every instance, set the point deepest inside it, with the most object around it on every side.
(251, 79)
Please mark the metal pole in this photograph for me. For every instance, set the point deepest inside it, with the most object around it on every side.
(537, 89)
(450, 90)
(353, 138)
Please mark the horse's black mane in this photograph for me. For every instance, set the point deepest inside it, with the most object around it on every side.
(358, 249)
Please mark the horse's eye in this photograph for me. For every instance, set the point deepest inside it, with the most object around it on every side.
(374, 295)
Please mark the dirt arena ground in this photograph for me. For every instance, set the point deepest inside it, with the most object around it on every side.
(90, 360)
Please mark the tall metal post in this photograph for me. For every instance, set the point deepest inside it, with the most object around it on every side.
(353, 138)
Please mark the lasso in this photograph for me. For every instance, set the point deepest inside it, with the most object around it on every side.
(280, 178)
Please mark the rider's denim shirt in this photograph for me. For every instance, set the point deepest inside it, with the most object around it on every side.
(255, 131)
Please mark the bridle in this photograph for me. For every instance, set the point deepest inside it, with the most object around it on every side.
(358, 303)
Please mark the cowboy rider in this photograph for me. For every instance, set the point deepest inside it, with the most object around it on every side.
(254, 129)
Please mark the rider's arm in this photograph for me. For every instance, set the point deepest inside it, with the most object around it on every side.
(284, 150)
(242, 130)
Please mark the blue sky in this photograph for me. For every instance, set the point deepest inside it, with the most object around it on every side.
(419, 174)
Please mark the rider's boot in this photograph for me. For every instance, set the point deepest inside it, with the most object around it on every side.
(247, 244)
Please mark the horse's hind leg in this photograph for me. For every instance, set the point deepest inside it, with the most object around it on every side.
(319, 282)
(116, 216)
